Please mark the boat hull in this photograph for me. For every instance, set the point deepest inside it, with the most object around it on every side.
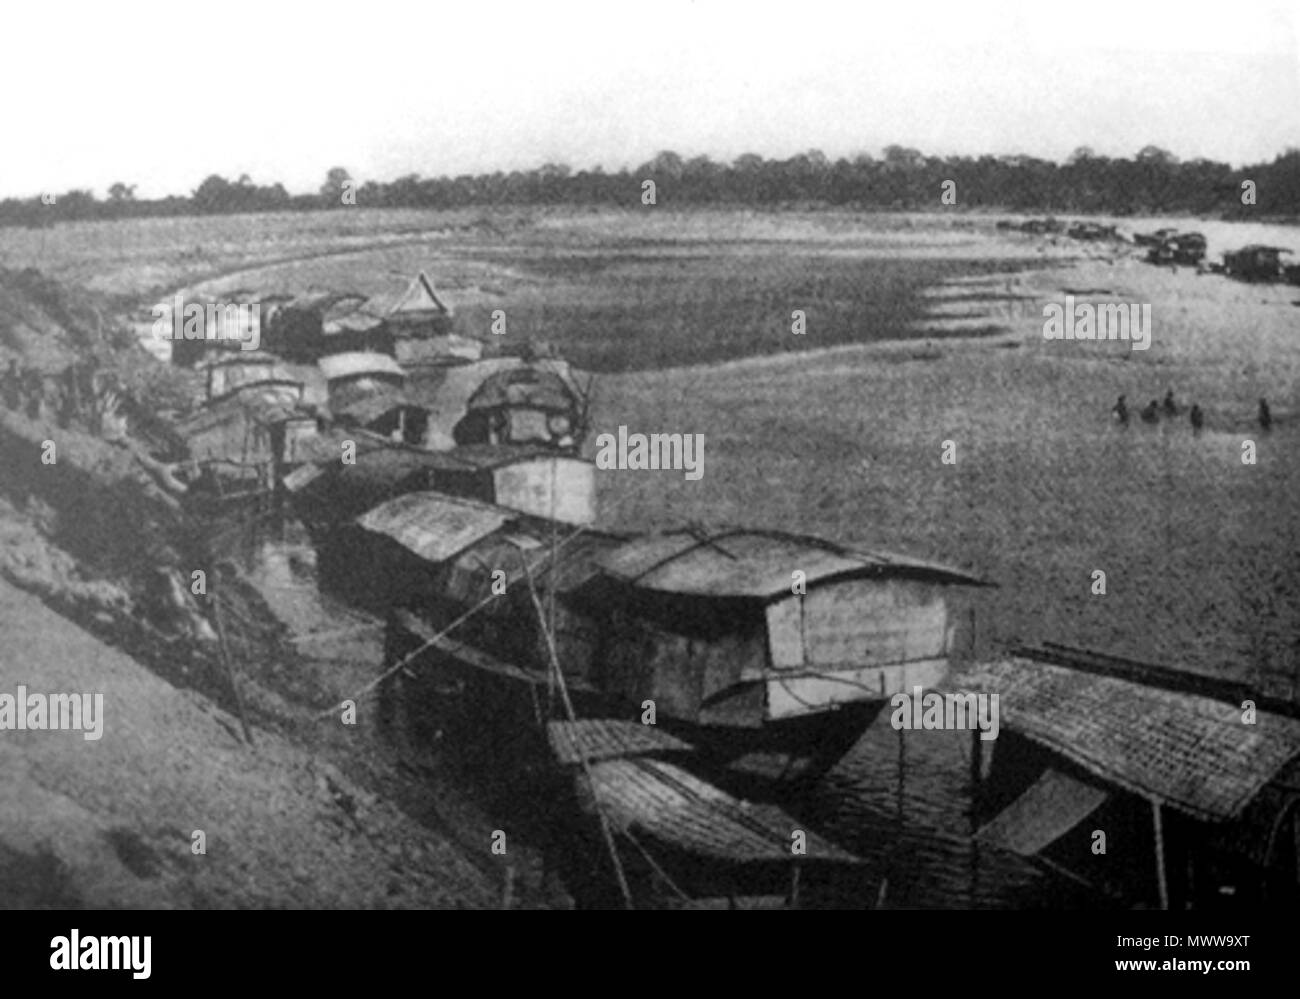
(463, 695)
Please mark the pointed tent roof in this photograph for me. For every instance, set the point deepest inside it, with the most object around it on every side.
(420, 297)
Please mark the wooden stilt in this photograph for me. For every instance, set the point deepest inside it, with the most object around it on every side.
(794, 885)
(902, 770)
(1160, 854)
(507, 897)
(896, 849)
(230, 667)
(976, 779)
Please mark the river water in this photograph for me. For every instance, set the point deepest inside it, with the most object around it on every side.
(911, 824)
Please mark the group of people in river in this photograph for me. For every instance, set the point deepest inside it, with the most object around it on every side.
(1155, 410)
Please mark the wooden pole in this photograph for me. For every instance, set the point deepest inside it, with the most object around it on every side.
(794, 885)
(553, 568)
(508, 894)
(898, 832)
(603, 820)
(902, 770)
(230, 669)
(1160, 854)
(976, 778)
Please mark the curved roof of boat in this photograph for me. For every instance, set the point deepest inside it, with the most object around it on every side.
(321, 300)
(523, 386)
(355, 321)
(362, 404)
(755, 563)
(352, 363)
(433, 525)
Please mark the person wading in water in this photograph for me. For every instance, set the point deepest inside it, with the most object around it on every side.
(1120, 412)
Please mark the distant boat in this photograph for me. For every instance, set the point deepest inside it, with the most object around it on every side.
(1152, 238)
(1256, 262)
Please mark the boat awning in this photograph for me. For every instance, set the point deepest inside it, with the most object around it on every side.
(366, 406)
(1052, 806)
(353, 364)
(752, 563)
(351, 322)
(678, 809)
(447, 349)
(562, 562)
(432, 525)
(1191, 752)
(526, 386)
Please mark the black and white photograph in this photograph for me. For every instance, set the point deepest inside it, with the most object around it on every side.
(673, 455)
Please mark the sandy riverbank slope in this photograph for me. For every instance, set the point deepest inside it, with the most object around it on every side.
(109, 823)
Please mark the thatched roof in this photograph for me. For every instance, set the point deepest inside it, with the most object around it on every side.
(676, 808)
(1188, 751)
(757, 564)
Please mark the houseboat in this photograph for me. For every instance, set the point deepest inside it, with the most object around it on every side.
(767, 653)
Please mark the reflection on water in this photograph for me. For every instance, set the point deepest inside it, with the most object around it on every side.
(915, 832)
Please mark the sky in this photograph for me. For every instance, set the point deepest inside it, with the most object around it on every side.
(162, 95)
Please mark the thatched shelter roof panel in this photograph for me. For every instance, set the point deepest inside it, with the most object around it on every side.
(1192, 752)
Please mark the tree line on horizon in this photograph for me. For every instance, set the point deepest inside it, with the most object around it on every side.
(1154, 181)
